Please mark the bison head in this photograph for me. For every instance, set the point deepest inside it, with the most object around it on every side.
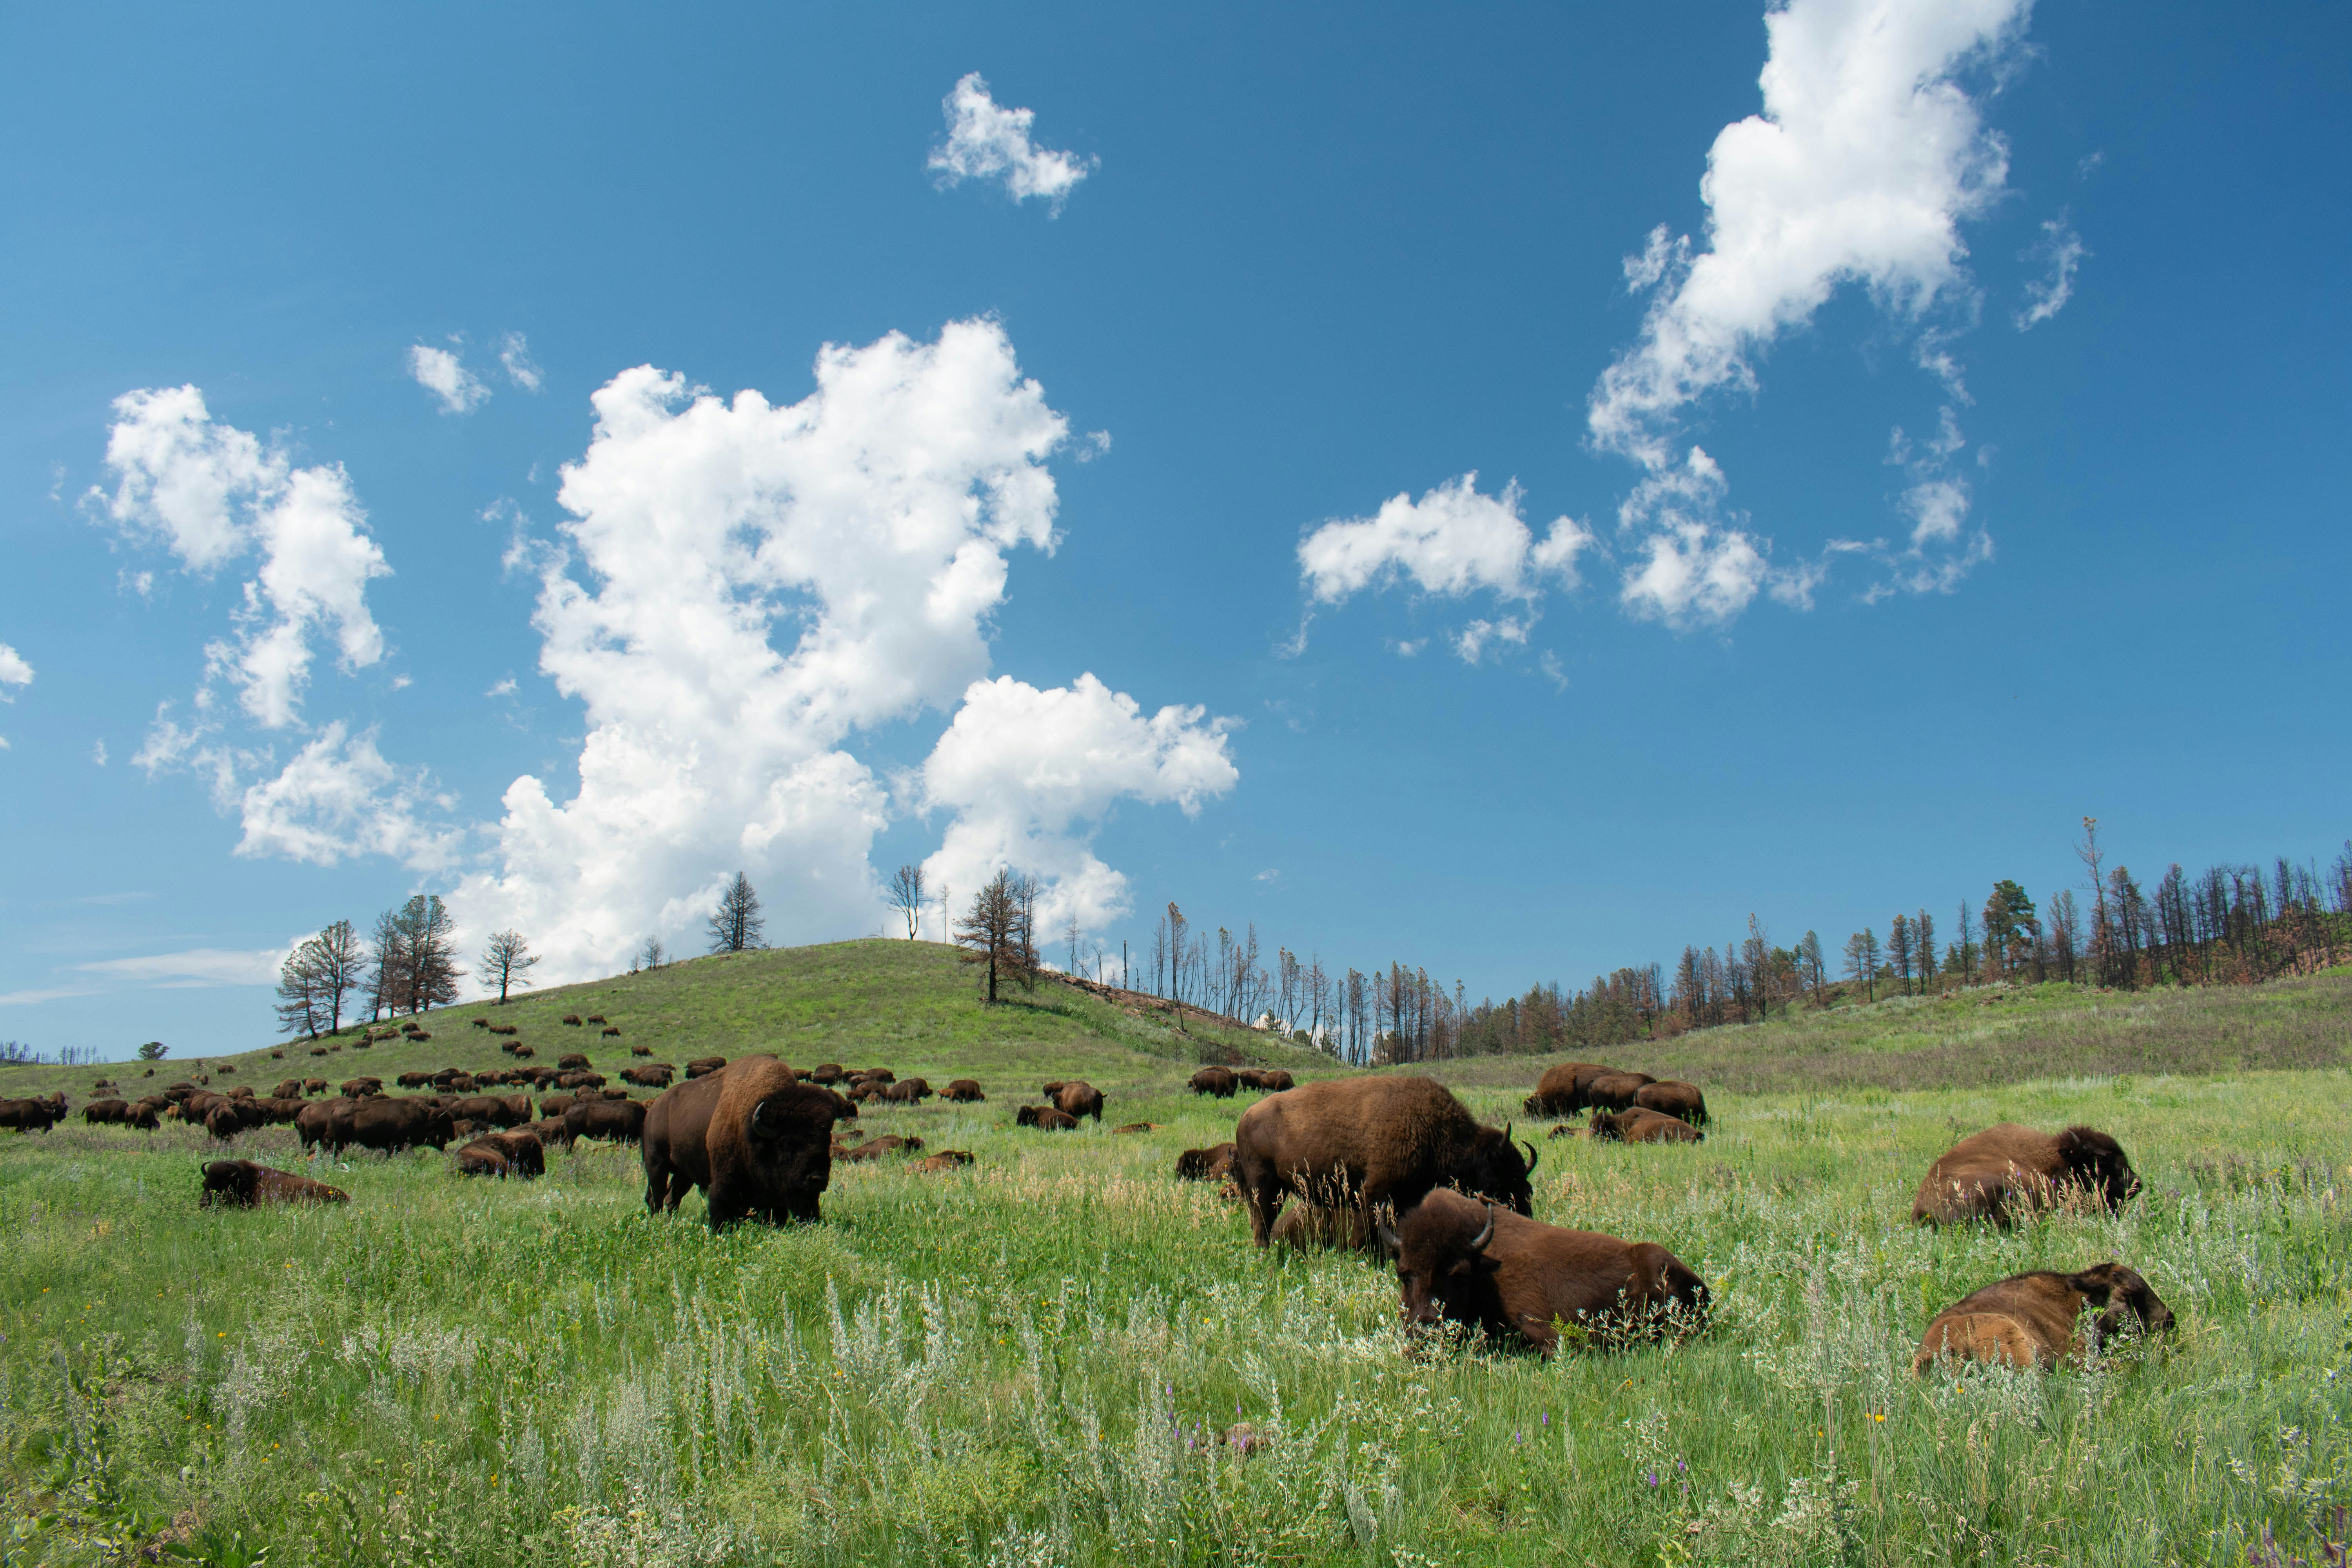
(2128, 1305)
(1494, 1169)
(1440, 1248)
(790, 1139)
(2097, 1163)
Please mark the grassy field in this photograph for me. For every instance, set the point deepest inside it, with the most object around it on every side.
(1031, 1362)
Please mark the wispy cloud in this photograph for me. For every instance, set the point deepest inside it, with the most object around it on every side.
(440, 372)
(205, 965)
(985, 142)
(515, 355)
(28, 998)
(2065, 252)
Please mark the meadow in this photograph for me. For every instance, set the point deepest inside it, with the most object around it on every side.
(1037, 1360)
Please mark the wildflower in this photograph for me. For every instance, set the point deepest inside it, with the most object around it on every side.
(1878, 1415)
(1651, 1477)
(1547, 1417)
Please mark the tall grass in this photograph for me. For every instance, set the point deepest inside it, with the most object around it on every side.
(1034, 1362)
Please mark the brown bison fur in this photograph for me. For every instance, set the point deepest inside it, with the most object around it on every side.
(503, 1155)
(1214, 1164)
(395, 1124)
(609, 1031)
(481, 1023)
(844, 1108)
(494, 1111)
(2028, 1321)
(613, 1120)
(1669, 1097)
(613, 1094)
(1078, 1098)
(1560, 1091)
(106, 1111)
(579, 1081)
(1046, 1117)
(1639, 1126)
(1370, 1141)
(703, 1067)
(572, 1019)
(1136, 1127)
(314, 1086)
(325, 1121)
(756, 1141)
(557, 1104)
(1304, 1227)
(413, 1079)
(944, 1160)
(144, 1114)
(646, 1078)
(574, 1060)
(875, 1148)
(1217, 1081)
(963, 1091)
(862, 1093)
(1615, 1091)
(360, 1087)
(597, 1018)
(827, 1073)
(641, 1050)
(550, 1132)
(879, 1075)
(288, 1089)
(1471, 1262)
(1274, 1081)
(2003, 1169)
(223, 1122)
(911, 1091)
(1051, 1089)
(241, 1184)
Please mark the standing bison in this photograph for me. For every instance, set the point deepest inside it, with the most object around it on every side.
(241, 1184)
(1670, 1097)
(2004, 1170)
(1615, 1091)
(613, 1120)
(757, 1142)
(2027, 1320)
(392, 1125)
(29, 1115)
(1214, 1080)
(909, 1091)
(1076, 1099)
(503, 1155)
(963, 1091)
(1560, 1091)
(1369, 1142)
(1469, 1262)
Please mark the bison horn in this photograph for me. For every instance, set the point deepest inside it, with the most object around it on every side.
(1479, 1242)
(1388, 1237)
(1506, 1131)
(758, 1109)
(1531, 1157)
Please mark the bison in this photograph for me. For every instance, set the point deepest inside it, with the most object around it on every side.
(314, 1086)
(29, 1115)
(827, 1073)
(1216, 1081)
(1304, 1226)
(1211, 1164)
(1640, 1126)
(1044, 1117)
(1134, 1127)
(1470, 1262)
(392, 1125)
(703, 1067)
(646, 1078)
(757, 1142)
(241, 1184)
(2027, 1320)
(962, 1091)
(493, 1111)
(1560, 1091)
(361, 1087)
(116, 1111)
(550, 1131)
(325, 1123)
(2003, 1170)
(641, 1050)
(944, 1160)
(1615, 1091)
(875, 1148)
(287, 1088)
(574, 1060)
(1669, 1097)
(1274, 1081)
(613, 1120)
(515, 1154)
(1075, 1100)
(1370, 1141)
(912, 1091)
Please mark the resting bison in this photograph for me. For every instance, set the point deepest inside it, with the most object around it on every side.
(875, 1148)
(1136, 1127)
(1046, 1117)
(1211, 1164)
(2005, 1169)
(1671, 1098)
(241, 1184)
(503, 1155)
(1370, 1141)
(1075, 1100)
(615, 1121)
(912, 1091)
(1639, 1126)
(945, 1160)
(757, 1142)
(1560, 1091)
(2027, 1320)
(1473, 1263)
(28, 1115)
(962, 1091)
(1615, 1091)
(1214, 1080)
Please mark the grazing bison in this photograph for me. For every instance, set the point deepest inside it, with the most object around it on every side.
(395, 1124)
(572, 1019)
(222, 1122)
(962, 1091)
(596, 1017)
(106, 1111)
(876, 1075)
(1473, 1263)
(1274, 1081)
(1078, 1099)
(550, 1132)
(912, 1091)
(145, 1114)
(2027, 1320)
(241, 1184)
(1560, 1091)
(413, 1079)
(494, 1111)
(757, 1142)
(1615, 1091)
(2006, 1169)
(287, 1088)
(1670, 1097)
(944, 1160)
(1217, 1081)
(515, 1154)
(609, 1031)
(613, 1120)
(1370, 1141)
(361, 1087)
(646, 1078)
(1046, 1117)
(314, 1086)
(556, 1104)
(641, 1050)
(703, 1067)
(827, 1072)
(574, 1060)
(1640, 1126)
(579, 1081)
(29, 1115)
(1211, 1164)
(325, 1123)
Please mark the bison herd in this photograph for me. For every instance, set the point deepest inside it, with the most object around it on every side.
(1389, 1166)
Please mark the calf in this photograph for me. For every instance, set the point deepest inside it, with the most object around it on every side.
(1465, 1261)
(2028, 1321)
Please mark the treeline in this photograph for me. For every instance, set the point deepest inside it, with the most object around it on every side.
(2231, 924)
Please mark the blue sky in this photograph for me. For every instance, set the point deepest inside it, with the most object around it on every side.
(1898, 430)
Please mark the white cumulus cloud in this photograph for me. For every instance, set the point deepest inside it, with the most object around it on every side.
(440, 372)
(339, 798)
(13, 670)
(1028, 772)
(211, 493)
(986, 142)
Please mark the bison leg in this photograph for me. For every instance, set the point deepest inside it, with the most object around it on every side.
(1265, 1196)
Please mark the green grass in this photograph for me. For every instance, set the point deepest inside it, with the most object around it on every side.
(1019, 1363)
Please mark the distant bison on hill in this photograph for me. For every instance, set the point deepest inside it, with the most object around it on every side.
(646, 1078)
(241, 1184)
(1370, 1141)
(2027, 1320)
(1471, 1262)
(574, 1060)
(703, 1067)
(2003, 1170)
(962, 1091)
(757, 1142)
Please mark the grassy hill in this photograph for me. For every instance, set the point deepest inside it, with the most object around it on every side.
(1031, 1361)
